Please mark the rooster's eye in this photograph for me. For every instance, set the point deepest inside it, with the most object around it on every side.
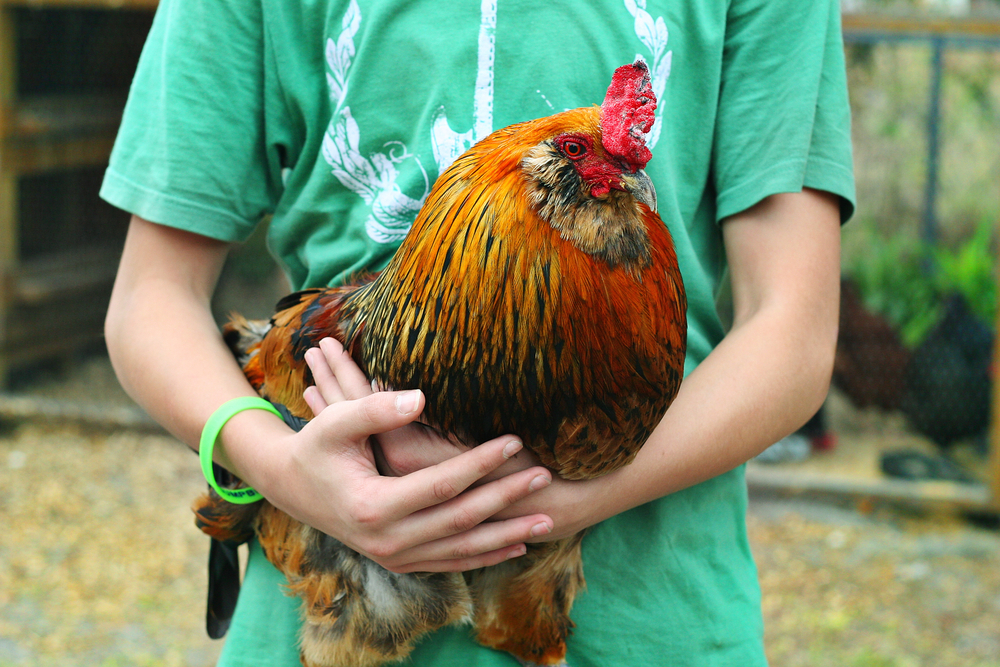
(574, 149)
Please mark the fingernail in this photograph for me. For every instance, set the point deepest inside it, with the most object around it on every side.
(540, 529)
(517, 552)
(330, 342)
(539, 482)
(511, 448)
(407, 401)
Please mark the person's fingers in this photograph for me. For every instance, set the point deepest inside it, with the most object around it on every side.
(457, 535)
(440, 483)
(326, 382)
(357, 420)
(350, 378)
(314, 399)
(486, 544)
(471, 509)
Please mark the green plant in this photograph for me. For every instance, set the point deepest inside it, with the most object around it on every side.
(970, 271)
(907, 280)
(869, 658)
(889, 273)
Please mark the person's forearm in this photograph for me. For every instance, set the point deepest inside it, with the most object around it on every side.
(757, 386)
(745, 396)
(181, 376)
(163, 342)
(765, 379)
(178, 376)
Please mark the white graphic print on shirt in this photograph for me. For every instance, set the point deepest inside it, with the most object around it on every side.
(374, 178)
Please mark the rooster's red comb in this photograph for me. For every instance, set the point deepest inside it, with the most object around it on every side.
(627, 114)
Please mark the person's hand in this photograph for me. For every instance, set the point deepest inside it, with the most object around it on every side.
(417, 522)
(401, 451)
(416, 446)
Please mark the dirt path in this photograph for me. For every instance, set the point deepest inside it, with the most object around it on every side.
(100, 562)
(884, 589)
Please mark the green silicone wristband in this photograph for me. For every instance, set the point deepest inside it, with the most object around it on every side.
(210, 434)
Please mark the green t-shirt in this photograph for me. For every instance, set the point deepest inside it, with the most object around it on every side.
(336, 116)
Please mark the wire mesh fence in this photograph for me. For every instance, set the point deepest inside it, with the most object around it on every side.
(914, 370)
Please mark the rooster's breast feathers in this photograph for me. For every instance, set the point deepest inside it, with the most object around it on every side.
(505, 306)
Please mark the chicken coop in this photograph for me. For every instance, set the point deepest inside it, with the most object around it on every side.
(65, 70)
(914, 387)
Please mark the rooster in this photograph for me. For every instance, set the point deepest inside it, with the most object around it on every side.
(537, 293)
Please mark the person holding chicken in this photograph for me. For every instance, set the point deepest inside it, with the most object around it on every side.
(335, 118)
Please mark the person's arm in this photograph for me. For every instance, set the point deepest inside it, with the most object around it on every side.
(170, 357)
(765, 379)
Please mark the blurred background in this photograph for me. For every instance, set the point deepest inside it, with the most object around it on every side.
(874, 527)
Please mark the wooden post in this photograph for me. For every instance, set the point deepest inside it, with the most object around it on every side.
(929, 229)
(921, 26)
(995, 416)
(9, 236)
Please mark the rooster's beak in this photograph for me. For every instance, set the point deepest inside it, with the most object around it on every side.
(641, 187)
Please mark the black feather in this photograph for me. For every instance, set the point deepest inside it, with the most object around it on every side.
(223, 587)
(224, 561)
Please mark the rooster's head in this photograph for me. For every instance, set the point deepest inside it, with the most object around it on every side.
(585, 175)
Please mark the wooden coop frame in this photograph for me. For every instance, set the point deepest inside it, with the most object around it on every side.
(941, 34)
(41, 135)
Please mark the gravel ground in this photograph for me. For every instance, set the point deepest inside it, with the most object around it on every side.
(100, 563)
(884, 588)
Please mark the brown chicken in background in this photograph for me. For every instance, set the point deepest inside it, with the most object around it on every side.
(871, 360)
(537, 293)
